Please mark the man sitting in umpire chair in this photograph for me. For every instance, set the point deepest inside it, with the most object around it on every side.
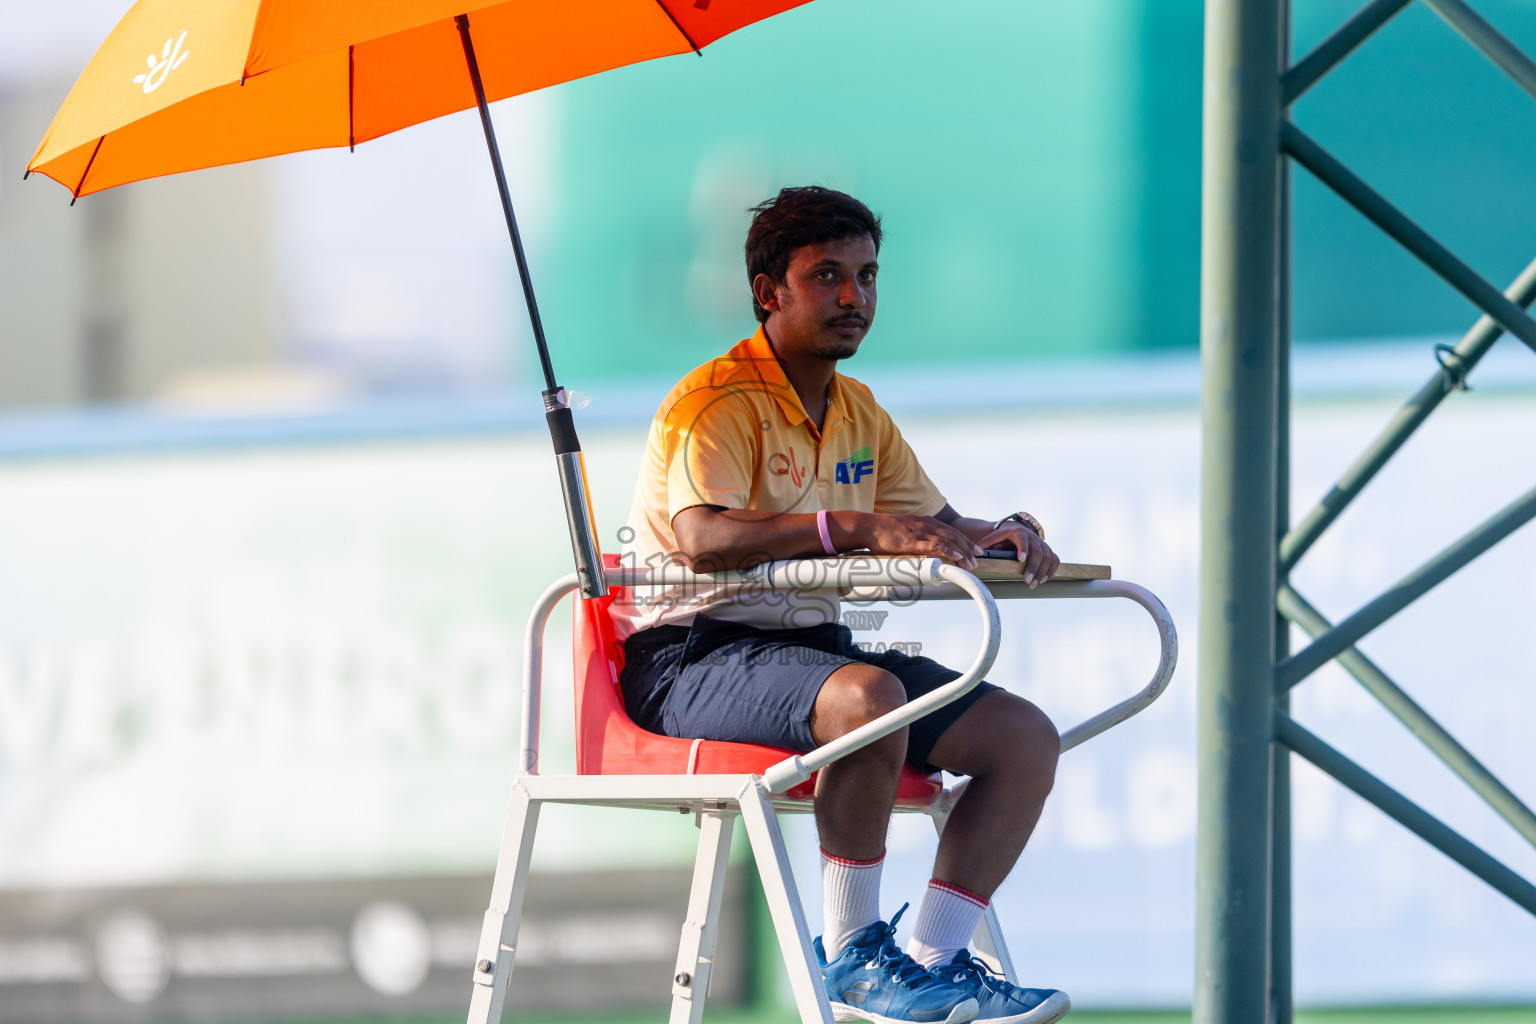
(769, 453)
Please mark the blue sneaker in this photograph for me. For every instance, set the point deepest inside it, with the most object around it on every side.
(872, 979)
(998, 1001)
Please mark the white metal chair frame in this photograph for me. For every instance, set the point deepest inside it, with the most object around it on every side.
(716, 799)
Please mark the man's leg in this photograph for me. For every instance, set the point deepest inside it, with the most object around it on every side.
(866, 976)
(854, 796)
(1008, 747)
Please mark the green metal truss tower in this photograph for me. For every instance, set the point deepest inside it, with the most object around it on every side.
(1249, 546)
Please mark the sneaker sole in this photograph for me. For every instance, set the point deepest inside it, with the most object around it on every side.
(1054, 1008)
(963, 1012)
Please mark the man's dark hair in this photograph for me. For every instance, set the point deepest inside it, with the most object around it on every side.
(799, 216)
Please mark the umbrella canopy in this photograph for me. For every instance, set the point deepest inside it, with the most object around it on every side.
(185, 84)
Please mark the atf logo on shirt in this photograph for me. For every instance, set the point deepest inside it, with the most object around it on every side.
(856, 466)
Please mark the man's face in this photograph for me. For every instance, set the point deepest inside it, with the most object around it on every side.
(826, 302)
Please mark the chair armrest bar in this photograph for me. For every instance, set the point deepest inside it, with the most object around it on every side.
(868, 578)
(794, 770)
(1168, 638)
(1168, 656)
(533, 671)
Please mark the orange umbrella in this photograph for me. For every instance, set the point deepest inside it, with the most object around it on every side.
(185, 84)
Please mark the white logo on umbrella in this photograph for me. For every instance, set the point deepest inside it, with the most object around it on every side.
(169, 60)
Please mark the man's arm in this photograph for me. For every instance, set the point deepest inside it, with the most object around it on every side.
(1040, 562)
(712, 538)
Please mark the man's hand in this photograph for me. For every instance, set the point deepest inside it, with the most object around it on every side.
(1040, 562)
(918, 535)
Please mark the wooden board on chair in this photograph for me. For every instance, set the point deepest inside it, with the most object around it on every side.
(1009, 569)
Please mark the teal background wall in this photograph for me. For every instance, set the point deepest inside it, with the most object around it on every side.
(999, 140)
(1038, 167)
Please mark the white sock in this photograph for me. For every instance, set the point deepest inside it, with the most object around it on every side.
(850, 899)
(945, 923)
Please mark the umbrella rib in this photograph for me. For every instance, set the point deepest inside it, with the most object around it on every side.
(87, 170)
(678, 25)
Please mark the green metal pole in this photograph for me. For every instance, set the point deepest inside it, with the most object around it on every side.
(1409, 235)
(1430, 732)
(1475, 28)
(1305, 73)
(1281, 1008)
(1405, 591)
(1238, 337)
(1407, 813)
(1459, 362)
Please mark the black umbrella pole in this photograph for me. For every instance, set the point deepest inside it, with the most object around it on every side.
(557, 410)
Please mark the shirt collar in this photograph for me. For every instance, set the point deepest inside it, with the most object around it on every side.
(766, 365)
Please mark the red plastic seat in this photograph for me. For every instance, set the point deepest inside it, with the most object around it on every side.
(609, 743)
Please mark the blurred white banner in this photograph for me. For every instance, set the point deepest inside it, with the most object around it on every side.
(303, 663)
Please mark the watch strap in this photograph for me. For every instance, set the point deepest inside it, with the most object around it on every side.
(1026, 519)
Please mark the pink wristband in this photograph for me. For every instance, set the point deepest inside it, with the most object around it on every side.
(826, 534)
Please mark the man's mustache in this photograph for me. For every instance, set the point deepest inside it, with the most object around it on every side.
(848, 321)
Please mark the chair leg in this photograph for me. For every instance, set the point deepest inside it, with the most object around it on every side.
(784, 906)
(988, 939)
(701, 931)
(991, 947)
(498, 933)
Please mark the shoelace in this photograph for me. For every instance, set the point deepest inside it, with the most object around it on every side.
(889, 956)
(902, 967)
(989, 979)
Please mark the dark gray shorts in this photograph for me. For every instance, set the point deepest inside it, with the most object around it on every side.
(721, 680)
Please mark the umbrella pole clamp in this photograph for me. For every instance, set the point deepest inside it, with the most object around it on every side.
(578, 496)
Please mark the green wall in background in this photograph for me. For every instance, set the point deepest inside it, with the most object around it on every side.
(1038, 168)
(997, 138)
(1443, 134)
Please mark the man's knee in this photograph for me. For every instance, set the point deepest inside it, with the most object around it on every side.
(856, 695)
(1007, 735)
(1033, 742)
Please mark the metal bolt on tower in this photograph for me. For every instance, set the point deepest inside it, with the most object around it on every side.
(1248, 547)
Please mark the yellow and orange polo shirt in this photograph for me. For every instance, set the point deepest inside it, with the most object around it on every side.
(733, 433)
